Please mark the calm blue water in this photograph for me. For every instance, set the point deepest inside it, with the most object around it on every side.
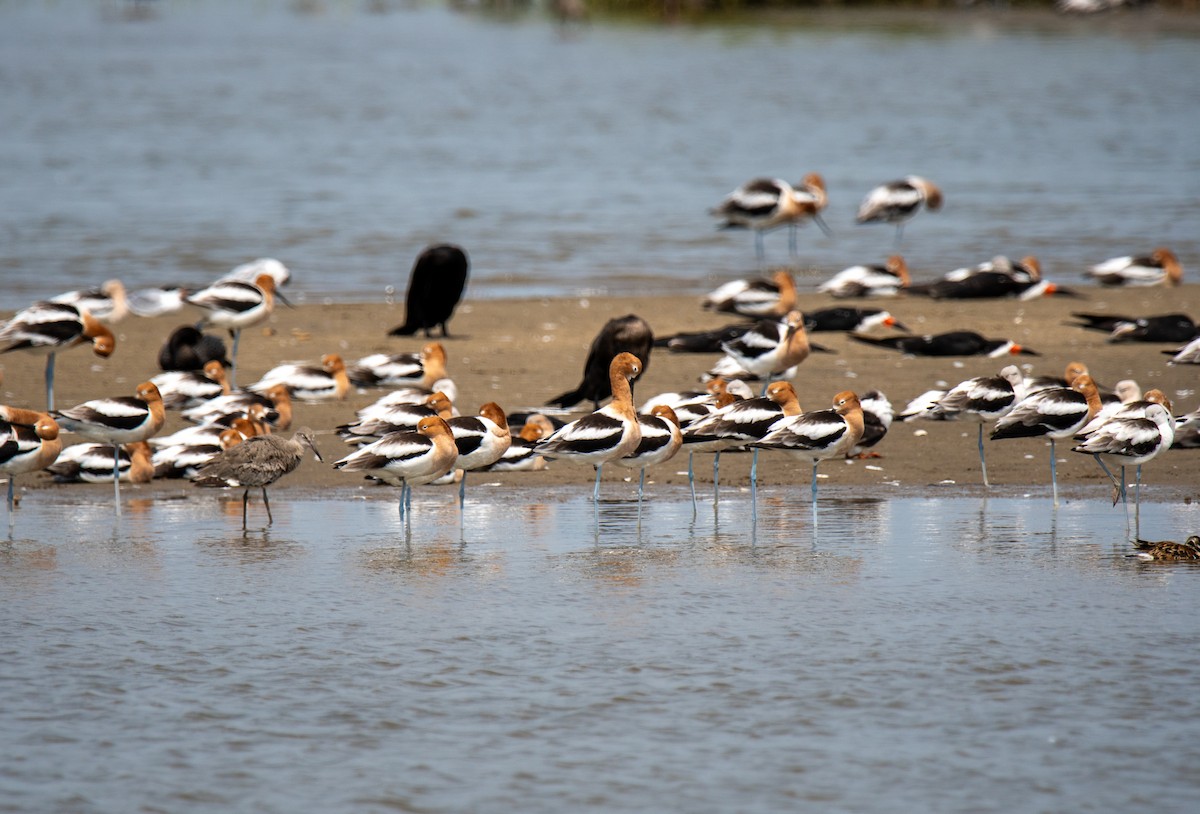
(911, 654)
(343, 137)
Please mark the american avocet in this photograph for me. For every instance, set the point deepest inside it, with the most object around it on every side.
(771, 347)
(249, 272)
(435, 286)
(235, 305)
(819, 435)
(877, 420)
(1132, 405)
(187, 388)
(222, 409)
(609, 433)
(156, 302)
(94, 463)
(738, 424)
(116, 420)
(108, 303)
(187, 348)
(1161, 267)
(48, 327)
(628, 334)
(521, 455)
(951, 343)
(306, 382)
(1187, 431)
(1161, 328)
(887, 280)
(257, 462)
(185, 460)
(1189, 354)
(1073, 370)
(981, 399)
(416, 368)
(899, 201)
(1058, 412)
(375, 420)
(28, 442)
(1168, 550)
(758, 297)
(481, 440)
(661, 439)
(1130, 442)
(407, 459)
(764, 204)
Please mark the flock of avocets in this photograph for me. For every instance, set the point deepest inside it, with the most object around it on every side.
(413, 436)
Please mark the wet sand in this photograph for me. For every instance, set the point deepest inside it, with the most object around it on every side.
(520, 353)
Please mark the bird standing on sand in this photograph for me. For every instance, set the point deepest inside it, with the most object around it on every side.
(48, 327)
(28, 442)
(435, 287)
(609, 433)
(235, 305)
(981, 399)
(771, 347)
(628, 334)
(899, 201)
(116, 420)
(1130, 442)
(257, 462)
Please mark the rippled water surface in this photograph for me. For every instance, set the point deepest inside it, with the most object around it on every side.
(342, 137)
(901, 655)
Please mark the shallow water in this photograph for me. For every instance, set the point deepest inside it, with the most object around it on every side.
(901, 655)
(168, 146)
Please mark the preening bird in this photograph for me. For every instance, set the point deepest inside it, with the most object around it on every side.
(48, 327)
(435, 287)
(628, 334)
(258, 461)
(108, 303)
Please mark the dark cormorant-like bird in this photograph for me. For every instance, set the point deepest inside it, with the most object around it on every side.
(435, 287)
(628, 334)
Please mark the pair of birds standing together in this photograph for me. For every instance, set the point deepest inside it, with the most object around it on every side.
(765, 204)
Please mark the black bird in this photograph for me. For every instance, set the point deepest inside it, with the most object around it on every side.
(434, 288)
(1164, 328)
(627, 334)
(187, 348)
(952, 343)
